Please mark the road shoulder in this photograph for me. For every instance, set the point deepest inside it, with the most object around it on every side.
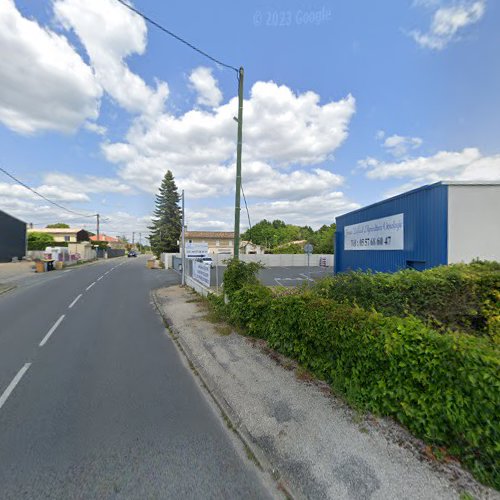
(313, 443)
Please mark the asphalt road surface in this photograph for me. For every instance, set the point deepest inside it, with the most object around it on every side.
(96, 402)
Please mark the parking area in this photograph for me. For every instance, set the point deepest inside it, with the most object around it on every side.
(280, 276)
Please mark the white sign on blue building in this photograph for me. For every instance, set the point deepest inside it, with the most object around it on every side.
(386, 233)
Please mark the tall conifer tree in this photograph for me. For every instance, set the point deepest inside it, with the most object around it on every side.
(166, 227)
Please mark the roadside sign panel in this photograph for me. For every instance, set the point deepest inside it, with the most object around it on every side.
(196, 250)
(308, 248)
(386, 233)
(201, 273)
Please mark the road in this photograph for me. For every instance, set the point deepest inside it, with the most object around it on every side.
(96, 402)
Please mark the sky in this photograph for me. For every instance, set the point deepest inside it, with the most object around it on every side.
(345, 103)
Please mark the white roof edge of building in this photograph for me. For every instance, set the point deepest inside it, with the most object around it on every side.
(422, 188)
(469, 183)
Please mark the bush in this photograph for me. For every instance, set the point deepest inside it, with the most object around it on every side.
(461, 297)
(238, 274)
(443, 386)
(39, 241)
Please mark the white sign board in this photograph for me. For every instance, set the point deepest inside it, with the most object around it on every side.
(201, 273)
(196, 250)
(386, 233)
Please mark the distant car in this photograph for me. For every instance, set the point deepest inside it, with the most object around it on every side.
(132, 254)
(207, 260)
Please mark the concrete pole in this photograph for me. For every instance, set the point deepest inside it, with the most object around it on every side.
(183, 241)
(238, 166)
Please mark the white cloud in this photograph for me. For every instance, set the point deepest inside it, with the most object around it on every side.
(313, 211)
(64, 188)
(466, 165)
(280, 129)
(262, 181)
(288, 128)
(398, 145)
(86, 184)
(93, 127)
(447, 21)
(54, 193)
(45, 83)
(205, 85)
(284, 134)
(110, 32)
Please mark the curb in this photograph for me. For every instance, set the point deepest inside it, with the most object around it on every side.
(8, 289)
(230, 416)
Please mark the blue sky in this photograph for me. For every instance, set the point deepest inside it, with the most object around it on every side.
(345, 103)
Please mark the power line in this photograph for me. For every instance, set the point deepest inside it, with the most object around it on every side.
(42, 196)
(168, 32)
(248, 213)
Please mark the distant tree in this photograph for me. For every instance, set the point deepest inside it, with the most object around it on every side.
(38, 241)
(58, 225)
(276, 234)
(322, 239)
(165, 231)
(290, 248)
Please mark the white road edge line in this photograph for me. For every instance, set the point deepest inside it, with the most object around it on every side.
(12, 385)
(90, 286)
(100, 278)
(75, 301)
(51, 331)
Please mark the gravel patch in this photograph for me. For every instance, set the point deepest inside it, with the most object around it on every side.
(319, 446)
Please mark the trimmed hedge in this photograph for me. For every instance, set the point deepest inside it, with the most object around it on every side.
(463, 297)
(444, 387)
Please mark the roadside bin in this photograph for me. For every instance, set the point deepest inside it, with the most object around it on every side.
(151, 263)
(48, 264)
(59, 265)
(39, 266)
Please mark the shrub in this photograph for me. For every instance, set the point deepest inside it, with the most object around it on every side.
(443, 386)
(238, 274)
(39, 241)
(461, 297)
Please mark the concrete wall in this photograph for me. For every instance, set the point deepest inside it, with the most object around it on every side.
(473, 222)
(269, 260)
(85, 250)
(279, 260)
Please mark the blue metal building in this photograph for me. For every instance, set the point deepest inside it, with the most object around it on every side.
(430, 226)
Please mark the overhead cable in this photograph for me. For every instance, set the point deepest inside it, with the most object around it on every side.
(168, 32)
(44, 197)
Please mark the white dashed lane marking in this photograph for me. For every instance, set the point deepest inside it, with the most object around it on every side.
(12, 385)
(51, 331)
(75, 301)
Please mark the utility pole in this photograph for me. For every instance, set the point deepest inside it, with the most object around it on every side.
(238, 166)
(133, 237)
(97, 219)
(183, 241)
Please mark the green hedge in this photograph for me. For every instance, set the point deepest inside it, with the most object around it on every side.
(444, 387)
(461, 297)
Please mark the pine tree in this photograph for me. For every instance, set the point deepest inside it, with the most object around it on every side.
(166, 227)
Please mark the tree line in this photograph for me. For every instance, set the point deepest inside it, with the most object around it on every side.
(279, 237)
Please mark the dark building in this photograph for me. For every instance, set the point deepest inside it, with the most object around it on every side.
(12, 237)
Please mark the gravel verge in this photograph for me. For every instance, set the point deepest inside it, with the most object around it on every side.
(311, 441)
